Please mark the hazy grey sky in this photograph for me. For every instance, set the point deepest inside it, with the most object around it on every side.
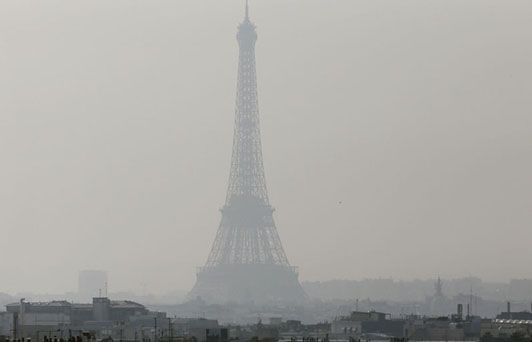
(117, 120)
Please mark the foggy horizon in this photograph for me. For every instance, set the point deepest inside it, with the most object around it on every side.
(395, 135)
(179, 294)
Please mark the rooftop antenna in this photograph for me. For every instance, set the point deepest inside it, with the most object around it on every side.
(247, 11)
(471, 298)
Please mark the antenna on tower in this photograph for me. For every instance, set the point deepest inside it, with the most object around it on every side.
(247, 11)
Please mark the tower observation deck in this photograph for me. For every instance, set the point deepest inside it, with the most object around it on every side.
(247, 261)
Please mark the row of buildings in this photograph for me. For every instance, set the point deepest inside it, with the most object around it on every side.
(62, 319)
(514, 326)
(106, 319)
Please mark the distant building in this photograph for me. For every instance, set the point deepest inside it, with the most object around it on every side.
(256, 333)
(194, 327)
(435, 329)
(438, 304)
(520, 316)
(372, 322)
(103, 317)
(217, 335)
(6, 324)
(510, 315)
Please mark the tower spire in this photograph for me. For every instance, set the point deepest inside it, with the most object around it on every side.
(247, 11)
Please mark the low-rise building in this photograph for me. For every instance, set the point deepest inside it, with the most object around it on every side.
(194, 327)
(103, 317)
(372, 322)
(435, 329)
(505, 329)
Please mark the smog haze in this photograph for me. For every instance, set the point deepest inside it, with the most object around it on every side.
(396, 137)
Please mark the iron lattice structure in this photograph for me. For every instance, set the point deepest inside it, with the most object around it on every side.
(247, 260)
(247, 232)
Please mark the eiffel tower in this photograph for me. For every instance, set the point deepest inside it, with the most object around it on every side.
(247, 262)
